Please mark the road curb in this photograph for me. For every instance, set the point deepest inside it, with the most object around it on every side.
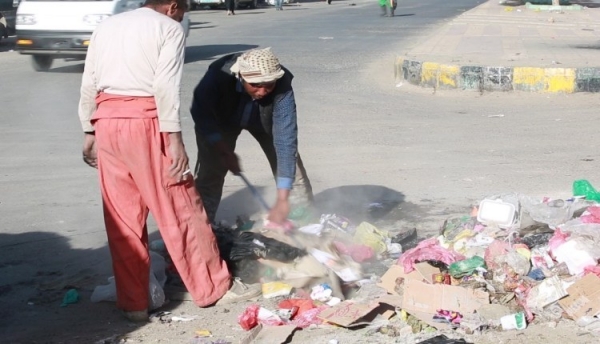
(497, 78)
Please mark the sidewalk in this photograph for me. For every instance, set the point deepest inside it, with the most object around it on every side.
(499, 47)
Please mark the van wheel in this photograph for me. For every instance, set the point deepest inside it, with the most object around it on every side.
(41, 63)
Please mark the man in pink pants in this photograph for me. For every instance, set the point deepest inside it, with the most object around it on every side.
(129, 110)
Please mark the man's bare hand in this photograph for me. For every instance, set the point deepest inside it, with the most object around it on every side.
(179, 160)
(280, 211)
(90, 154)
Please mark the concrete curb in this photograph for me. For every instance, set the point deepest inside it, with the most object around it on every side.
(495, 78)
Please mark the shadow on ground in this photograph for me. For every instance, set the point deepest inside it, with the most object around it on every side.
(588, 46)
(37, 269)
(207, 52)
(200, 25)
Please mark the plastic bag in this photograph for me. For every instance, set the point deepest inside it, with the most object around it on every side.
(591, 215)
(371, 236)
(266, 317)
(552, 213)
(517, 262)
(466, 267)
(592, 270)
(157, 276)
(557, 239)
(590, 324)
(578, 253)
(303, 305)
(358, 253)
(577, 227)
(496, 248)
(249, 319)
(584, 188)
(536, 240)
(427, 250)
(236, 246)
(454, 226)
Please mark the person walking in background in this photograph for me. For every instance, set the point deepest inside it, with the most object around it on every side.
(279, 5)
(230, 4)
(129, 112)
(385, 4)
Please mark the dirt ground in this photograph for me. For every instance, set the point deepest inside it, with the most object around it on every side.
(442, 150)
(45, 321)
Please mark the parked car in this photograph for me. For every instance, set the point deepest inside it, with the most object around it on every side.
(221, 3)
(51, 29)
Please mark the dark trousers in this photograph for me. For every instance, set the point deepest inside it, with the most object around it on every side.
(230, 5)
(210, 172)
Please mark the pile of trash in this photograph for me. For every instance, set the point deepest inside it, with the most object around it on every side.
(513, 261)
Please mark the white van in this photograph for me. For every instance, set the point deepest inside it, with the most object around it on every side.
(51, 29)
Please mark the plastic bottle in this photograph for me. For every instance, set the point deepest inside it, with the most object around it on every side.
(583, 187)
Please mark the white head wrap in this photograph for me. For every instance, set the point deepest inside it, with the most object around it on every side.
(258, 66)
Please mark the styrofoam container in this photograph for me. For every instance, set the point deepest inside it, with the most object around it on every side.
(496, 212)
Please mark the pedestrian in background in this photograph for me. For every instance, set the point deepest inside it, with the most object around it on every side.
(230, 7)
(279, 5)
(385, 4)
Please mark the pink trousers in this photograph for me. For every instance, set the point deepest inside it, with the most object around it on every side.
(133, 163)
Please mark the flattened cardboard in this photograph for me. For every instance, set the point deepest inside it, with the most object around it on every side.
(423, 272)
(584, 297)
(392, 300)
(428, 298)
(269, 334)
(347, 314)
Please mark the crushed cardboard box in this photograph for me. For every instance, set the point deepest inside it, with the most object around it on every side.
(269, 334)
(423, 300)
(583, 298)
(352, 314)
(396, 276)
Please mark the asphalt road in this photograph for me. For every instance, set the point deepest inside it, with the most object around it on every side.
(363, 138)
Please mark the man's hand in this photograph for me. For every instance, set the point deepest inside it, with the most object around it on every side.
(228, 158)
(281, 209)
(180, 162)
(90, 154)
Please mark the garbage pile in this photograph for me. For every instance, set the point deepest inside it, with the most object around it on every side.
(513, 261)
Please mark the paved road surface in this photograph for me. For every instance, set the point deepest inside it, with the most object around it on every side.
(361, 137)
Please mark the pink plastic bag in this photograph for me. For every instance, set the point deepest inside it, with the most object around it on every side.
(593, 216)
(496, 249)
(427, 250)
(249, 319)
(592, 270)
(557, 239)
(359, 253)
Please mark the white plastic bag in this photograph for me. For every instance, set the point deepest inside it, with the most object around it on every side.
(158, 277)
